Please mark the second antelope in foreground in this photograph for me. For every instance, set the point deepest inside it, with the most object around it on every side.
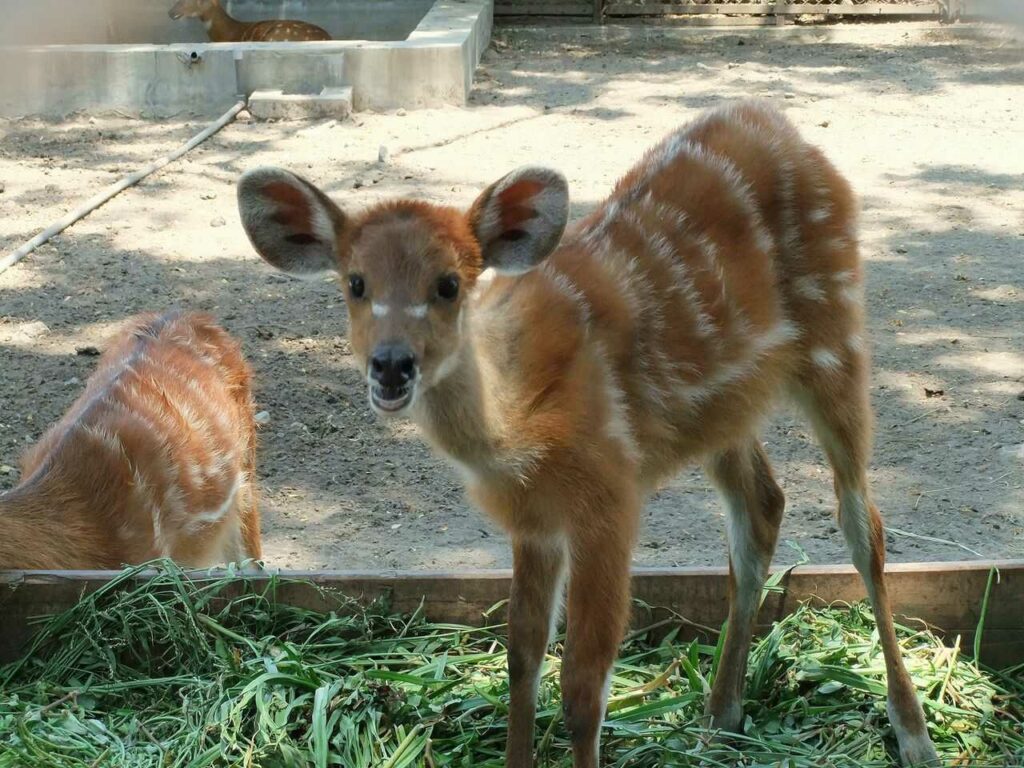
(155, 459)
(720, 275)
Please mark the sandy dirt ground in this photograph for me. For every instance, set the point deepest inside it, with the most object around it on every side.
(925, 121)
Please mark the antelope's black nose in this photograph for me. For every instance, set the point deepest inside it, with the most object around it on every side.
(392, 366)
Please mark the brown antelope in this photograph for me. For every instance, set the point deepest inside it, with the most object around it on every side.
(566, 377)
(222, 28)
(155, 459)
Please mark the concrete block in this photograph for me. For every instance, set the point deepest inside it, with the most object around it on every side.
(291, 70)
(276, 105)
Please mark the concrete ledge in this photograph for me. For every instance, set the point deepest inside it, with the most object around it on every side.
(159, 80)
(275, 105)
(433, 66)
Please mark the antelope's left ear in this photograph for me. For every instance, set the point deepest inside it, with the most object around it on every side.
(519, 219)
(292, 224)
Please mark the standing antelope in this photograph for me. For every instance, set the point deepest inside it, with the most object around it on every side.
(576, 374)
(222, 28)
(155, 459)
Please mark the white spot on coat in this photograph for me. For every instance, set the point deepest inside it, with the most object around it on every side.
(826, 358)
(819, 215)
(809, 287)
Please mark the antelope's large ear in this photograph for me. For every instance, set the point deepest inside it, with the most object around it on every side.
(519, 219)
(291, 223)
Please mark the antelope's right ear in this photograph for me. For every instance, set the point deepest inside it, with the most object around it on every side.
(291, 224)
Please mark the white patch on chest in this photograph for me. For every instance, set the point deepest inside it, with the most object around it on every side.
(467, 473)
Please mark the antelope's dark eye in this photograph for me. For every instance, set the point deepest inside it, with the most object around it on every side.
(356, 286)
(448, 287)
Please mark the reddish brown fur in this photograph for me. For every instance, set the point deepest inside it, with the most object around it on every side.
(222, 28)
(294, 205)
(721, 274)
(155, 458)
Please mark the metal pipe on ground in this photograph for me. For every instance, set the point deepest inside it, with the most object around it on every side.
(131, 180)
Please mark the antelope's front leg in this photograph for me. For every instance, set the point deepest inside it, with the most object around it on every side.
(538, 575)
(597, 613)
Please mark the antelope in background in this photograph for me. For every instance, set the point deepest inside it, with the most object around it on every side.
(565, 378)
(222, 28)
(155, 459)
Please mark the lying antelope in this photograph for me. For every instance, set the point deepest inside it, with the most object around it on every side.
(566, 377)
(155, 459)
(222, 28)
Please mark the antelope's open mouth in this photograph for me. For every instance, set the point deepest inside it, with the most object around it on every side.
(390, 399)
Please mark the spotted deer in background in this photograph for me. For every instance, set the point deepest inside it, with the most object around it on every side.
(567, 377)
(221, 27)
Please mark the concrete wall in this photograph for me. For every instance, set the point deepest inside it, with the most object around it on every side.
(158, 80)
(433, 66)
(69, 22)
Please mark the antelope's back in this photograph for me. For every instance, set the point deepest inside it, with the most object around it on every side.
(712, 270)
(162, 443)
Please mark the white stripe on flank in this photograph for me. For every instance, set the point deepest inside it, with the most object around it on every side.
(379, 310)
(617, 427)
(819, 215)
(826, 358)
(199, 519)
(851, 291)
(108, 439)
(809, 287)
(667, 153)
(416, 310)
(782, 334)
(846, 276)
(661, 247)
(567, 288)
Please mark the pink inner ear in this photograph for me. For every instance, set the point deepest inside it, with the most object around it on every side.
(514, 203)
(293, 209)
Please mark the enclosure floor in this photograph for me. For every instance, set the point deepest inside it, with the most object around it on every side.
(924, 121)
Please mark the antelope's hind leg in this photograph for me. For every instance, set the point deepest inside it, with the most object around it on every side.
(836, 401)
(754, 505)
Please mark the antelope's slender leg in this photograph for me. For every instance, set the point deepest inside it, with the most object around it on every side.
(837, 405)
(754, 505)
(537, 581)
(597, 613)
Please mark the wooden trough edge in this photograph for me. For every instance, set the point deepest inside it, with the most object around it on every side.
(723, 12)
(770, 8)
(946, 596)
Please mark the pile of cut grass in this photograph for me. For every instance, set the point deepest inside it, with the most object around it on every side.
(175, 672)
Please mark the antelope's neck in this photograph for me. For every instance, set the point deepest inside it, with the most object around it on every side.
(221, 27)
(459, 414)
